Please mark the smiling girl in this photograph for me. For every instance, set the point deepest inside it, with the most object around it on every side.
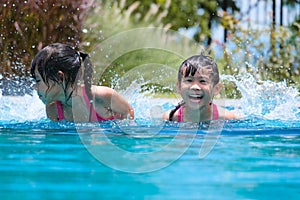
(198, 83)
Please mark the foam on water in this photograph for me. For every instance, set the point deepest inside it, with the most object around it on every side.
(265, 99)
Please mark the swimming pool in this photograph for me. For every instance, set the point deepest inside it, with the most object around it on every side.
(254, 158)
(257, 157)
(48, 160)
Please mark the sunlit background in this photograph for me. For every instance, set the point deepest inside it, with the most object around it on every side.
(260, 37)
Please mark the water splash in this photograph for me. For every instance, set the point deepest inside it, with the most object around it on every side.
(139, 86)
(265, 99)
(21, 108)
(148, 109)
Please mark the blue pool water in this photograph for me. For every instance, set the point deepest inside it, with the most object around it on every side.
(257, 157)
(44, 160)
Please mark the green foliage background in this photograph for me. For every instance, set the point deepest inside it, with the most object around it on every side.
(266, 53)
(28, 26)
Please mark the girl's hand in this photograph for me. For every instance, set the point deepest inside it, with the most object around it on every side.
(130, 113)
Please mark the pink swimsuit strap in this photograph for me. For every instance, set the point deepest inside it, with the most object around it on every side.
(60, 111)
(95, 117)
(180, 114)
(215, 113)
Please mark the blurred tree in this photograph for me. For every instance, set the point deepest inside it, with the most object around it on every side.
(248, 46)
(228, 6)
(115, 20)
(27, 26)
(200, 15)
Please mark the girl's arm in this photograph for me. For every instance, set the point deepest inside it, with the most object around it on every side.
(111, 99)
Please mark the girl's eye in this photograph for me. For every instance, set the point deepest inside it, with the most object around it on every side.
(203, 81)
(188, 80)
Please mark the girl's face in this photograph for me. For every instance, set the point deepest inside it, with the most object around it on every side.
(197, 91)
(48, 94)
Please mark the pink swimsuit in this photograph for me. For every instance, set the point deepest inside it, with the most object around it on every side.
(95, 117)
(215, 113)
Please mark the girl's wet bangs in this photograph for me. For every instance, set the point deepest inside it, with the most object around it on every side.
(189, 69)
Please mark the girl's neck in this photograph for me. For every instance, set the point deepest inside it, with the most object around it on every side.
(198, 115)
(67, 98)
(77, 95)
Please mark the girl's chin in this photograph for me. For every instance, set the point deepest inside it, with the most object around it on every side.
(43, 100)
(46, 102)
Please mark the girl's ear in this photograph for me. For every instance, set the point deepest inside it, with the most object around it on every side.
(217, 88)
(60, 75)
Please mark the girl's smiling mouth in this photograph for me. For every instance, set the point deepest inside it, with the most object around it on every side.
(196, 98)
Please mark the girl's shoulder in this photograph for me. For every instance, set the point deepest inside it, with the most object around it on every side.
(105, 95)
(102, 91)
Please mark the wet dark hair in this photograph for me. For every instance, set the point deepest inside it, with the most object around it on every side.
(195, 62)
(60, 57)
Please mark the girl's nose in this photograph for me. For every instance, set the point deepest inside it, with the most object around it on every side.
(35, 86)
(195, 86)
